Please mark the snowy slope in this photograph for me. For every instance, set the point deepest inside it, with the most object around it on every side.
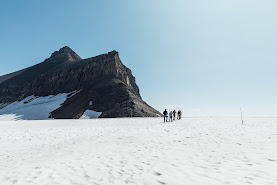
(9, 117)
(90, 114)
(38, 108)
(138, 151)
(34, 108)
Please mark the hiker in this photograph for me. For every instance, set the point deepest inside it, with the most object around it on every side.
(170, 116)
(165, 115)
(179, 114)
(174, 115)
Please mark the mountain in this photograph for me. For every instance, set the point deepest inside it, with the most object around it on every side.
(100, 84)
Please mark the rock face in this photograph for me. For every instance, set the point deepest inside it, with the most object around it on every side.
(103, 84)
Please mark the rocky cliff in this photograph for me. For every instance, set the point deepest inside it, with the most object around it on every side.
(100, 83)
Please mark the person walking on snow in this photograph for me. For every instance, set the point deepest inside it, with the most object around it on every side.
(165, 115)
(170, 116)
(174, 115)
(179, 114)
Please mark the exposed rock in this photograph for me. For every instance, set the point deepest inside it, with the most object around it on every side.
(103, 80)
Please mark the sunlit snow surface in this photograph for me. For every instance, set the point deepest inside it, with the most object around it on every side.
(139, 151)
(38, 108)
(32, 107)
(90, 114)
(9, 117)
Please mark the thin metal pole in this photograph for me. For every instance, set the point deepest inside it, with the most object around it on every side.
(241, 116)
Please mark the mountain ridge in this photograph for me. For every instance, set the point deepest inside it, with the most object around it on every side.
(103, 80)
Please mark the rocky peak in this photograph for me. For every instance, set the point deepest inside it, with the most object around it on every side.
(66, 49)
(64, 54)
(115, 57)
(113, 52)
(103, 80)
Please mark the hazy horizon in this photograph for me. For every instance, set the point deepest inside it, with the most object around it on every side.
(207, 58)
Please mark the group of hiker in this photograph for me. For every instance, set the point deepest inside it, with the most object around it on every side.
(172, 115)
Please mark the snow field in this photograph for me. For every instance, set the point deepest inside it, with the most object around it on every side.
(39, 108)
(139, 151)
(33, 108)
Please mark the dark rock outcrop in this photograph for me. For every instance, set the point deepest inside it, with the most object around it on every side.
(103, 80)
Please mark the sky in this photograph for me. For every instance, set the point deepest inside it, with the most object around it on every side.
(207, 58)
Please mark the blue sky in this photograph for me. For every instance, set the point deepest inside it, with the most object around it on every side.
(208, 58)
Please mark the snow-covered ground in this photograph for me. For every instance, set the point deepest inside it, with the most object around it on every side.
(139, 151)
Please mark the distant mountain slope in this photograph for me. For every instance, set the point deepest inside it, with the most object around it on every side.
(103, 84)
(11, 75)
